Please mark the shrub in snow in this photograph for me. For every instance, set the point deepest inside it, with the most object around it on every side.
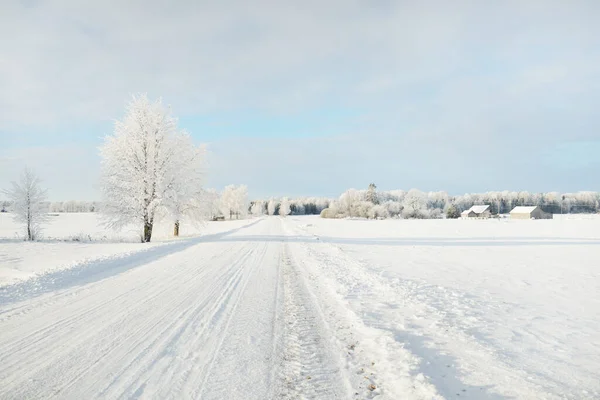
(435, 213)
(360, 209)
(408, 213)
(452, 212)
(28, 203)
(379, 212)
(393, 208)
(329, 213)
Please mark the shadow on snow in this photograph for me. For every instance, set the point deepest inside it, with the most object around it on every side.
(94, 271)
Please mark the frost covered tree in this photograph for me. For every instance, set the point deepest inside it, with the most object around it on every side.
(452, 212)
(185, 196)
(415, 203)
(378, 212)
(28, 203)
(284, 207)
(372, 194)
(226, 201)
(211, 207)
(271, 206)
(233, 201)
(299, 208)
(347, 201)
(257, 208)
(241, 201)
(144, 164)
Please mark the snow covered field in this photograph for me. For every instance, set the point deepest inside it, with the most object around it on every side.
(75, 239)
(304, 307)
(489, 306)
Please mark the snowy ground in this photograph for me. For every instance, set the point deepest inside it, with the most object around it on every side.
(75, 239)
(491, 307)
(309, 308)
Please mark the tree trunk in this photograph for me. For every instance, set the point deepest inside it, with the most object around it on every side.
(176, 229)
(29, 233)
(147, 232)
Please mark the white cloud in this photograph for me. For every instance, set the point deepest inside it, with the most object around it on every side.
(449, 75)
(70, 59)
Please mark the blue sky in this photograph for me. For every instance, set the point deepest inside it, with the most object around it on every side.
(314, 98)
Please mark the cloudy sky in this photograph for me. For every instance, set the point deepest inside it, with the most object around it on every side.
(312, 97)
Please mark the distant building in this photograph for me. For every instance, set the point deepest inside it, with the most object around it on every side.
(481, 211)
(468, 214)
(529, 212)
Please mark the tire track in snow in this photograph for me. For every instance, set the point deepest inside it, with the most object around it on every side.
(239, 335)
(39, 343)
(95, 341)
(151, 350)
(310, 368)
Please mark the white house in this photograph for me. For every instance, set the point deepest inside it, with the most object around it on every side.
(529, 212)
(479, 211)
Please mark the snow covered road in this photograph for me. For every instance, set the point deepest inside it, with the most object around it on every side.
(219, 319)
(268, 310)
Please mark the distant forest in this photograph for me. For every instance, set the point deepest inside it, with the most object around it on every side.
(372, 203)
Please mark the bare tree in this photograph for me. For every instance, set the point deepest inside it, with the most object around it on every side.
(29, 206)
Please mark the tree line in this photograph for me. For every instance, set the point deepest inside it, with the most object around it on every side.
(286, 206)
(370, 203)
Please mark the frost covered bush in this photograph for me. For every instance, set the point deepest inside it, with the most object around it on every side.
(409, 213)
(329, 213)
(435, 213)
(378, 212)
(361, 209)
(393, 208)
(452, 212)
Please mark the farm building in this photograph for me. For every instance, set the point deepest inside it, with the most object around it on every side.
(481, 211)
(531, 212)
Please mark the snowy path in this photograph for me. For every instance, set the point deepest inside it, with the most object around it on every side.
(219, 319)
